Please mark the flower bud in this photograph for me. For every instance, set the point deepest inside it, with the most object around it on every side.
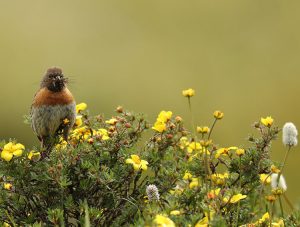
(178, 119)
(90, 140)
(169, 136)
(119, 109)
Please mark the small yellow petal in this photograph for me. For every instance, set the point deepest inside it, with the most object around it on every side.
(129, 161)
(175, 212)
(80, 107)
(6, 155)
(8, 146)
(7, 186)
(17, 153)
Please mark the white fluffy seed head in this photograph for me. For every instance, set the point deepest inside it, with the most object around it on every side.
(289, 134)
(281, 184)
(152, 192)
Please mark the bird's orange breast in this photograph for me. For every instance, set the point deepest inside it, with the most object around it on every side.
(47, 97)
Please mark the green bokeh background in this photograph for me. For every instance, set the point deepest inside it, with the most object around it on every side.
(241, 57)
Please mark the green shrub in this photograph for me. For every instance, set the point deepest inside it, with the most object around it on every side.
(107, 176)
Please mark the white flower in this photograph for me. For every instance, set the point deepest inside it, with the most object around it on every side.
(281, 184)
(289, 134)
(152, 192)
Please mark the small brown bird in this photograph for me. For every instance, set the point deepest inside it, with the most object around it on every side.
(53, 110)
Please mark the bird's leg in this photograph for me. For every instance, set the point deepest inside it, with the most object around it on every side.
(46, 146)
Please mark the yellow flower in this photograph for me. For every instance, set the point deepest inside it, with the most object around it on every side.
(202, 222)
(224, 151)
(218, 114)
(12, 149)
(163, 221)
(274, 169)
(219, 178)
(7, 186)
(66, 121)
(137, 163)
(183, 142)
(268, 121)
(265, 178)
(61, 145)
(235, 198)
(159, 126)
(102, 132)
(164, 116)
(264, 218)
(80, 107)
(78, 121)
(280, 223)
(193, 146)
(203, 129)
(175, 212)
(188, 93)
(240, 152)
(187, 176)
(194, 183)
(213, 193)
(111, 121)
(34, 155)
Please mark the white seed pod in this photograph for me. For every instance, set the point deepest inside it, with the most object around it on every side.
(152, 192)
(281, 184)
(289, 134)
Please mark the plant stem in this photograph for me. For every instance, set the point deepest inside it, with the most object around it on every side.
(240, 185)
(281, 207)
(211, 129)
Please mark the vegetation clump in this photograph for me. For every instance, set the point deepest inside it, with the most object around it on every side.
(104, 176)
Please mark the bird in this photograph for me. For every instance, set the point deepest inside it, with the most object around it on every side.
(53, 110)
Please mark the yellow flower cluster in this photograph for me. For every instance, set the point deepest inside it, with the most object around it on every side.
(137, 163)
(162, 119)
(11, 149)
(84, 133)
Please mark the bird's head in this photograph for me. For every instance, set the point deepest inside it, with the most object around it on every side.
(54, 80)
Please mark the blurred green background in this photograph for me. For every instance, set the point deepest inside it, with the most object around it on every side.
(241, 57)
